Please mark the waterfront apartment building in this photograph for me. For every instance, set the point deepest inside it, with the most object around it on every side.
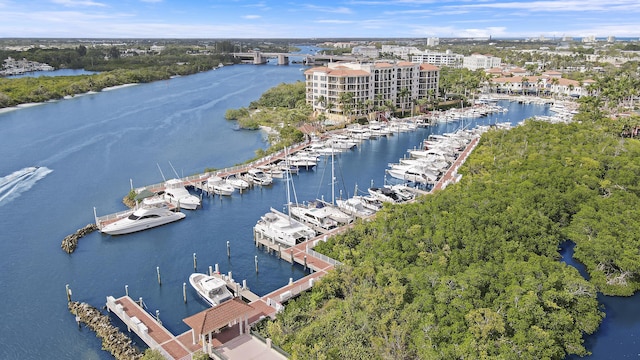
(479, 61)
(343, 90)
(447, 58)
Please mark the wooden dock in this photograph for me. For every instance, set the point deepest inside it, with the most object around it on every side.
(150, 330)
(451, 176)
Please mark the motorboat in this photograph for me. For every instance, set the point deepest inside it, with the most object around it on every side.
(219, 186)
(314, 216)
(302, 160)
(237, 182)
(355, 206)
(385, 194)
(335, 213)
(414, 174)
(213, 290)
(259, 177)
(177, 194)
(283, 228)
(144, 218)
(272, 170)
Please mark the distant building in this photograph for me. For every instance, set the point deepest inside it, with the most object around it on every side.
(403, 52)
(433, 41)
(447, 58)
(370, 85)
(371, 52)
(538, 85)
(479, 61)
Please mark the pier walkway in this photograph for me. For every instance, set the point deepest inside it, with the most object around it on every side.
(452, 176)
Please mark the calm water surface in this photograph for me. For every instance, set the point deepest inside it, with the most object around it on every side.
(89, 149)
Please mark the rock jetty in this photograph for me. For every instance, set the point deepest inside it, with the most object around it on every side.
(70, 242)
(113, 340)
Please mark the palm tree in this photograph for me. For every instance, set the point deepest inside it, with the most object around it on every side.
(346, 103)
(524, 82)
(403, 94)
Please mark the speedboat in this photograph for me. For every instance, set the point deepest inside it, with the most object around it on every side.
(211, 289)
(178, 195)
(219, 186)
(236, 182)
(283, 229)
(142, 219)
(259, 177)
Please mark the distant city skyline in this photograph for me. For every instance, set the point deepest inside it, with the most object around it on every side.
(318, 19)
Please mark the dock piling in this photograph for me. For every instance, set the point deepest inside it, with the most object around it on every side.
(210, 271)
(158, 317)
(228, 249)
(184, 292)
(158, 272)
(126, 290)
(217, 269)
(256, 261)
(305, 263)
(195, 263)
(68, 291)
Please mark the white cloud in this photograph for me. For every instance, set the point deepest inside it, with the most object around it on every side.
(328, 9)
(251, 17)
(76, 3)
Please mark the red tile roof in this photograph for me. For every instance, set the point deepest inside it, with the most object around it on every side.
(218, 317)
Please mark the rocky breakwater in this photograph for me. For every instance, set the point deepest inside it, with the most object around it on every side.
(114, 341)
(70, 242)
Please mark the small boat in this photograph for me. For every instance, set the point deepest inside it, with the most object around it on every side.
(236, 182)
(178, 195)
(219, 186)
(142, 219)
(211, 289)
(259, 177)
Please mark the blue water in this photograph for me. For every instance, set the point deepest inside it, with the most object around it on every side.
(59, 72)
(94, 145)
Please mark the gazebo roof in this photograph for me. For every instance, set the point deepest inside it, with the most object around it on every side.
(216, 318)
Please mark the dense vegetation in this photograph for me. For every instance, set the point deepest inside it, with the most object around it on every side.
(117, 66)
(473, 271)
(281, 108)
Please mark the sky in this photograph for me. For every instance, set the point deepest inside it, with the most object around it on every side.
(318, 19)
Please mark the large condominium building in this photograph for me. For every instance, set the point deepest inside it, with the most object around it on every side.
(355, 89)
(479, 61)
(447, 58)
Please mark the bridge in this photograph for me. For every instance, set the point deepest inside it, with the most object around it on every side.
(258, 57)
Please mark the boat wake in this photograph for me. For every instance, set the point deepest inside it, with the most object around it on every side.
(14, 184)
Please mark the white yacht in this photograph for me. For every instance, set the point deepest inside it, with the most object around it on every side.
(176, 194)
(236, 182)
(314, 216)
(219, 186)
(142, 219)
(385, 194)
(355, 206)
(282, 228)
(211, 289)
(413, 173)
(259, 177)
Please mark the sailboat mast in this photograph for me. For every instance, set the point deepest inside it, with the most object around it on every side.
(333, 179)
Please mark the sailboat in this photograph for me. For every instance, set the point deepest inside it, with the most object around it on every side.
(323, 214)
(282, 228)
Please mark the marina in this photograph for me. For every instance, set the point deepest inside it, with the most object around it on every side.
(95, 143)
(246, 308)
